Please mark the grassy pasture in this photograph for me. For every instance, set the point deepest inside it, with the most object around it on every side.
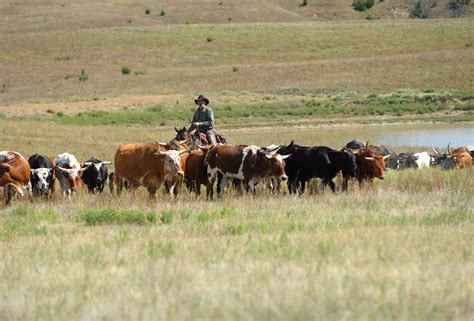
(400, 251)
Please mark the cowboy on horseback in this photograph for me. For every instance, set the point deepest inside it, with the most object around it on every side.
(203, 119)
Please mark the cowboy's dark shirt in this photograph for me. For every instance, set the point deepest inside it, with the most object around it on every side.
(205, 119)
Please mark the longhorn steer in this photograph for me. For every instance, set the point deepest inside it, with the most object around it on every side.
(145, 164)
(249, 164)
(369, 166)
(14, 175)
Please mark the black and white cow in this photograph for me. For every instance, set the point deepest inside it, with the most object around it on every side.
(42, 175)
(95, 174)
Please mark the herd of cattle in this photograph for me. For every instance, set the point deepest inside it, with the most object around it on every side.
(181, 162)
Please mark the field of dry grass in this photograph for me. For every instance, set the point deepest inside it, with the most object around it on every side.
(400, 251)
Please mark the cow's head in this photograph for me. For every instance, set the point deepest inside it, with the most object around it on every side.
(41, 180)
(407, 160)
(172, 161)
(94, 171)
(377, 163)
(69, 178)
(272, 164)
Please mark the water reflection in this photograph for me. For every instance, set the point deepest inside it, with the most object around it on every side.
(438, 135)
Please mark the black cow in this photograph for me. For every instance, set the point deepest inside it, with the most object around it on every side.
(321, 162)
(407, 160)
(95, 174)
(42, 175)
(355, 144)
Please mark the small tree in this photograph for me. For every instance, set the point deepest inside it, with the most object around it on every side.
(456, 7)
(305, 3)
(421, 8)
(362, 5)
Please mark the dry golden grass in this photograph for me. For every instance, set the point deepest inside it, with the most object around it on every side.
(401, 251)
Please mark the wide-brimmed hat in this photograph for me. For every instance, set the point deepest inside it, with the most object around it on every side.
(201, 97)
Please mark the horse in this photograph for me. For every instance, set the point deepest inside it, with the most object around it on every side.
(197, 137)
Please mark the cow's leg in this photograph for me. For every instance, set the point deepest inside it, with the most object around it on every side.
(302, 186)
(222, 184)
(210, 189)
(177, 186)
(345, 183)
(252, 187)
(151, 192)
(29, 191)
(119, 182)
(197, 187)
(6, 194)
(332, 185)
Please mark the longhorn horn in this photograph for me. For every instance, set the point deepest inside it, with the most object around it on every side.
(369, 158)
(285, 156)
(385, 157)
(158, 148)
(273, 152)
(449, 150)
(107, 163)
(434, 150)
(183, 141)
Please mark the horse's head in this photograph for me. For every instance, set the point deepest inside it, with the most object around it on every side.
(182, 134)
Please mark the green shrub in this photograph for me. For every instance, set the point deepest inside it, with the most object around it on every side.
(362, 5)
(166, 217)
(60, 114)
(147, 11)
(162, 13)
(115, 216)
(62, 57)
(83, 76)
(125, 70)
(235, 68)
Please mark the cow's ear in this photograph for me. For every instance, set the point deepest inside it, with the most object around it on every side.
(176, 129)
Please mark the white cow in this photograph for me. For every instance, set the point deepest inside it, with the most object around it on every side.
(423, 159)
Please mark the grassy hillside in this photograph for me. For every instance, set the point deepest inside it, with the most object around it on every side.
(368, 56)
(49, 15)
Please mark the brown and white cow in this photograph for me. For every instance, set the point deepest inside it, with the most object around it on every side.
(14, 175)
(146, 165)
(174, 184)
(246, 163)
(370, 165)
(68, 171)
